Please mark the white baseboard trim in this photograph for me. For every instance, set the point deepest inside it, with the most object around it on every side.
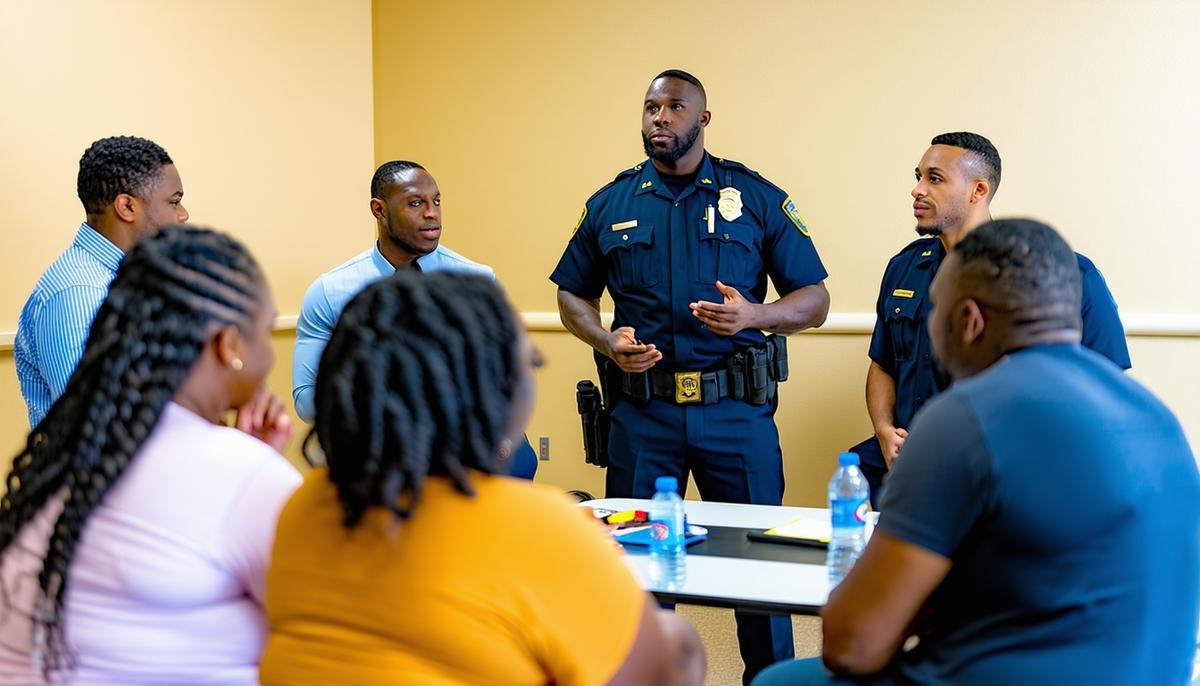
(1137, 324)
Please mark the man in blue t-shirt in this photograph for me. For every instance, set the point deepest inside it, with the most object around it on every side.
(1039, 525)
(957, 178)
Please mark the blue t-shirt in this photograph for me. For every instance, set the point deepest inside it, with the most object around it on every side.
(1065, 495)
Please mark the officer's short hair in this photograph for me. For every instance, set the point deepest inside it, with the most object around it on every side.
(1023, 266)
(115, 165)
(387, 172)
(683, 76)
(986, 155)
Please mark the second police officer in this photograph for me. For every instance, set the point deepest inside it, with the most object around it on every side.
(684, 242)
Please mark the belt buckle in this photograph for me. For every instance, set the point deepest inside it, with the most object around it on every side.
(687, 387)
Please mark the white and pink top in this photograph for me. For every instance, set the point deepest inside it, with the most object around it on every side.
(166, 584)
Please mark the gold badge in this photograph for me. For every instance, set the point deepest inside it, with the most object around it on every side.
(902, 293)
(729, 204)
(647, 184)
(687, 387)
(621, 226)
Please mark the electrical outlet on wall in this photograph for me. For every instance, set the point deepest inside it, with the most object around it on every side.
(543, 448)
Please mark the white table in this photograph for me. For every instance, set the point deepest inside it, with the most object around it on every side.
(732, 574)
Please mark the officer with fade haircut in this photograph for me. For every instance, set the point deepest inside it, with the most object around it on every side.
(956, 181)
(684, 243)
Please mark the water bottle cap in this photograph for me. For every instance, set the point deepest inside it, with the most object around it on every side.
(847, 459)
(666, 483)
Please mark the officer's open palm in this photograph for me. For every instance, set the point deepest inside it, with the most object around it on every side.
(728, 317)
(630, 354)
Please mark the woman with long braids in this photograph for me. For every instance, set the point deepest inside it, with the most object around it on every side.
(136, 529)
(410, 559)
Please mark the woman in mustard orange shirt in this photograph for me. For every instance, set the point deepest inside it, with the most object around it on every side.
(411, 559)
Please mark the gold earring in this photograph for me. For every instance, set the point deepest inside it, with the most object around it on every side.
(236, 364)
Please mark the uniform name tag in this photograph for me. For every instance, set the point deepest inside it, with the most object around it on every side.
(632, 223)
(902, 293)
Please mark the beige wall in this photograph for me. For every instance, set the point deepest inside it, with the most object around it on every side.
(522, 110)
(265, 106)
(276, 113)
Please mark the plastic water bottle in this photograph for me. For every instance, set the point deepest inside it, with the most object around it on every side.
(668, 561)
(848, 502)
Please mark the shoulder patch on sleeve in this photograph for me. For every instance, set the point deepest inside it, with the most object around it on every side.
(789, 208)
(582, 216)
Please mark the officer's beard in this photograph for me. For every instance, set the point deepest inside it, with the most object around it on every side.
(929, 230)
(672, 155)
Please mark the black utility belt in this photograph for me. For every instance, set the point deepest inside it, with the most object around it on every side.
(750, 374)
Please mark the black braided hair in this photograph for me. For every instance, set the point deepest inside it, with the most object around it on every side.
(417, 380)
(120, 164)
(169, 292)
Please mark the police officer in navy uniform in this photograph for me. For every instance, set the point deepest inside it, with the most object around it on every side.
(956, 181)
(684, 243)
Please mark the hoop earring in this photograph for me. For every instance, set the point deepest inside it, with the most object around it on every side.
(236, 364)
(505, 450)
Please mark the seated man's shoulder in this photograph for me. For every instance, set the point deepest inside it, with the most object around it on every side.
(73, 268)
(1086, 266)
(347, 276)
(450, 260)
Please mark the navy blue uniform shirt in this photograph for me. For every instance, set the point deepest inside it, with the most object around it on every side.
(900, 343)
(655, 255)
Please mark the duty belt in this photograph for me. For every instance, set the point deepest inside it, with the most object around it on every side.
(750, 374)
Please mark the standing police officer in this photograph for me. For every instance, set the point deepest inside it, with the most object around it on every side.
(684, 244)
(956, 181)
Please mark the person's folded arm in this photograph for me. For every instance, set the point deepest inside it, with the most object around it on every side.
(313, 330)
(868, 614)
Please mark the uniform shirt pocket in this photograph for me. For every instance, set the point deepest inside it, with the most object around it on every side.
(630, 255)
(904, 325)
(729, 254)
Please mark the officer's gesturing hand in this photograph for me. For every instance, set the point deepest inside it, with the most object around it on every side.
(729, 317)
(628, 353)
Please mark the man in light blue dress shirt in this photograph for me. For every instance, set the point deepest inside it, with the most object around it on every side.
(406, 204)
(130, 189)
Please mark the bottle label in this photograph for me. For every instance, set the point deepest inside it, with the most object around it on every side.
(668, 530)
(848, 513)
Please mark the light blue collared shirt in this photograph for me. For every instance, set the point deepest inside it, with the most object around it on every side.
(328, 295)
(55, 321)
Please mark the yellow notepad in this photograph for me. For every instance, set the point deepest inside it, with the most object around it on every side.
(807, 529)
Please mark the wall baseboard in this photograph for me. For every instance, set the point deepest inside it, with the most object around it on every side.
(1137, 324)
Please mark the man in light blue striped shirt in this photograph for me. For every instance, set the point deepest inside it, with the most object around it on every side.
(130, 189)
(406, 204)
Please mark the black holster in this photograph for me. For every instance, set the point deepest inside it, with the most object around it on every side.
(595, 407)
